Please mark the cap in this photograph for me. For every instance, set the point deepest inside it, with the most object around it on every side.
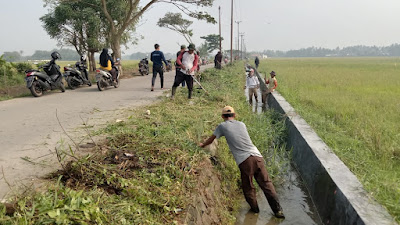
(273, 73)
(228, 110)
(183, 46)
(191, 46)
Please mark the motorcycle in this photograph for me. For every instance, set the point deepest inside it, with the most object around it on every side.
(144, 67)
(38, 82)
(104, 78)
(78, 76)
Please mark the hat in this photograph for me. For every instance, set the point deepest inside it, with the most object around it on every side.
(228, 110)
(272, 73)
(191, 46)
(183, 46)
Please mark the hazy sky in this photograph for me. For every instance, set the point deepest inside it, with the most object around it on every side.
(267, 24)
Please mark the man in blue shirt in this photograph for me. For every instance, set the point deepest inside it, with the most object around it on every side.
(157, 57)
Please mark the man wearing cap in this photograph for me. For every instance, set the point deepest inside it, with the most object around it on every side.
(271, 84)
(178, 67)
(249, 160)
(188, 63)
(252, 84)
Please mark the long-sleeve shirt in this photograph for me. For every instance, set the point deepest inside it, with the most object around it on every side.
(157, 57)
(252, 82)
(272, 84)
(189, 61)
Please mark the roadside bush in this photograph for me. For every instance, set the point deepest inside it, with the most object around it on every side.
(23, 66)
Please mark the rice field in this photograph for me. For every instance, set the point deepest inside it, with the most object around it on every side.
(354, 106)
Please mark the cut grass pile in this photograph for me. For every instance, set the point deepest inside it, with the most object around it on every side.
(354, 106)
(145, 172)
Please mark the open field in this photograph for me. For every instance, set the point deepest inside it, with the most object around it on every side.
(354, 106)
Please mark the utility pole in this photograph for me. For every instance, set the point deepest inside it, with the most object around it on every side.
(231, 31)
(241, 45)
(220, 40)
(238, 22)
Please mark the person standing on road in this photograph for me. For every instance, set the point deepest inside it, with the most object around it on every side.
(252, 84)
(256, 61)
(157, 57)
(178, 67)
(249, 160)
(271, 84)
(188, 63)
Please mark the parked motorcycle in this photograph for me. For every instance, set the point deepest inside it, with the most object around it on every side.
(38, 82)
(144, 67)
(77, 76)
(104, 78)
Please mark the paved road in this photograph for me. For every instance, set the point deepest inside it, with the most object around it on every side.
(29, 127)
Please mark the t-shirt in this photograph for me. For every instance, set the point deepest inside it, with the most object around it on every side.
(189, 61)
(238, 140)
(157, 57)
(252, 82)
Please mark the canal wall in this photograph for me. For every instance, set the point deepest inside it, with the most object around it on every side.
(337, 194)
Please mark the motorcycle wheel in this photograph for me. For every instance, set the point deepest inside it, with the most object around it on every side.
(62, 86)
(35, 89)
(100, 85)
(71, 83)
(117, 83)
(141, 73)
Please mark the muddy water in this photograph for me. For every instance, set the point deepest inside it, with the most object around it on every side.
(297, 205)
(293, 196)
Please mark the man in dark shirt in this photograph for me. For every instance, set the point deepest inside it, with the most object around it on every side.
(157, 57)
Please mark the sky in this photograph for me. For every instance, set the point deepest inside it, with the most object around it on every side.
(266, 24)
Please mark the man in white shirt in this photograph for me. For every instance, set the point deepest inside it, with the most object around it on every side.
(252, 84)
(187, 61)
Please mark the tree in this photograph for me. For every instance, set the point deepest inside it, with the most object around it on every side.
(122, 16)
(12, 56)
(212, 41)
(76, 24)
(175, 22)
(203, 49)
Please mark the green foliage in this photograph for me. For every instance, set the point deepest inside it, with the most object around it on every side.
(212, 42)
(175, 22)
(75, 24)
(353, 104)
(23, 66)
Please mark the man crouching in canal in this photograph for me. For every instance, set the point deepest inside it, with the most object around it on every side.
(249, 160)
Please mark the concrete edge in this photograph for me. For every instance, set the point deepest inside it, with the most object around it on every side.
(338, 195)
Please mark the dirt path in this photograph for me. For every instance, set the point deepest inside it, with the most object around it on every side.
(29, 127)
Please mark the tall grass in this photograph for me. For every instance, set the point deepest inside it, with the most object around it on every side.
(163, 179)
(354, 105)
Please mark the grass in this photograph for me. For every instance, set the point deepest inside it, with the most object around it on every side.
(145, 171)
(354, 106)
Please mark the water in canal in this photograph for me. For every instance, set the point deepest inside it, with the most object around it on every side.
(293, 196)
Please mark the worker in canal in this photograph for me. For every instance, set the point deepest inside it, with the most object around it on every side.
(253, 85)
(249, 160)
(271, 84)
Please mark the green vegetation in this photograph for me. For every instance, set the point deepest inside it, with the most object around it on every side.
(354, 106)
(146, 171)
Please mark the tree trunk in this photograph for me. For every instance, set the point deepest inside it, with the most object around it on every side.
(92, 61)
(116, 47)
